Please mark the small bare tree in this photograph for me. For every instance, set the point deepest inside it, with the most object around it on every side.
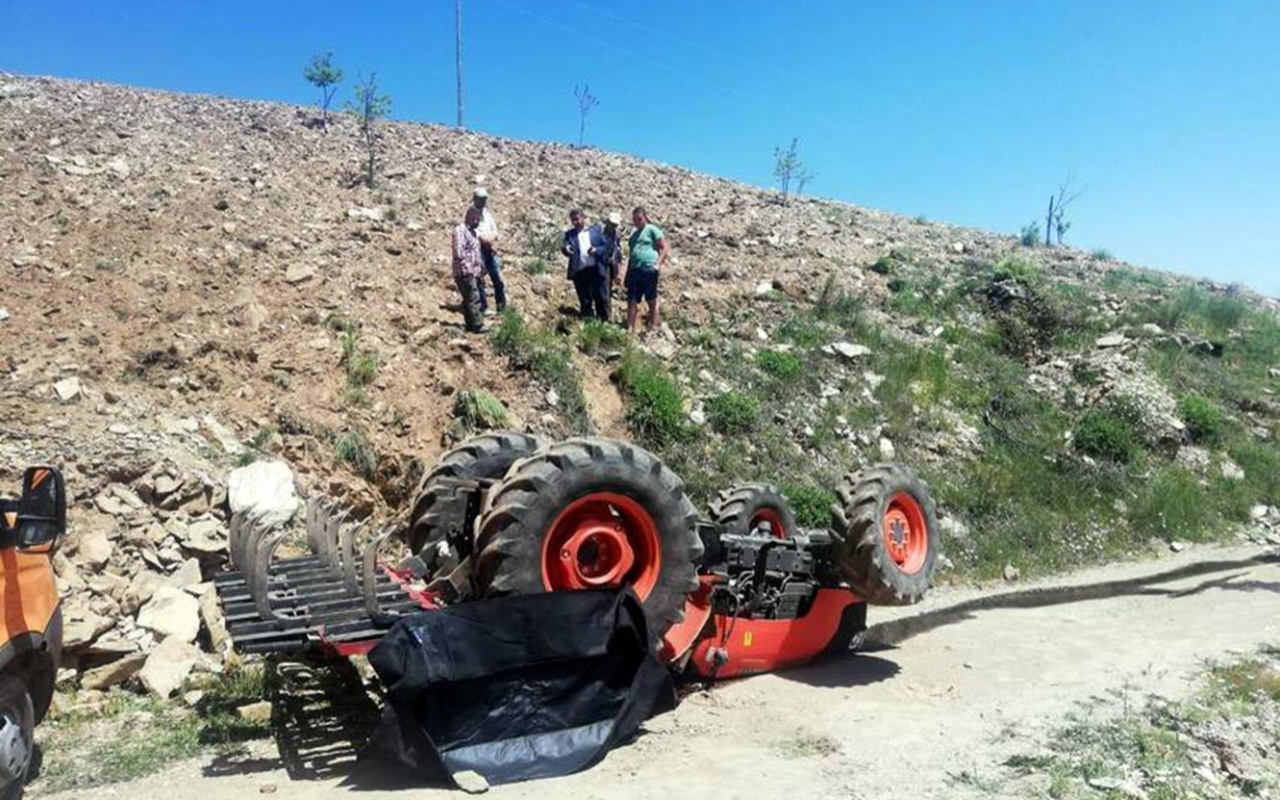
(322, 74)
(586, 102)
(789, 169)
(1055, 218)
(369, 106)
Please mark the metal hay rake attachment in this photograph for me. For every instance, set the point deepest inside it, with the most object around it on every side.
(339, 595)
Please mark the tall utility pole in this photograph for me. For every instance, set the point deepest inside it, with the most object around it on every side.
(458, 26)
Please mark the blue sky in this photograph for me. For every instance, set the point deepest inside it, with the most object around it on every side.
(969, 111)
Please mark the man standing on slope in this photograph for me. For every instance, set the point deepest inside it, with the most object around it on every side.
(588, 269)
(612, 249)
(468, 266)
(488, 235)
(649, 250)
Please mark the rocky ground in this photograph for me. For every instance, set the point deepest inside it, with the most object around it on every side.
(196, 284)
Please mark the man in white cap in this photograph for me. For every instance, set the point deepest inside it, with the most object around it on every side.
(612, 253)
(487, 232)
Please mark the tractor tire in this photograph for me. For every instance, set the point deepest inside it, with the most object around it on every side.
(736, 511)
(17, 736)
(484, 457)
(884, 533)
(591, 513)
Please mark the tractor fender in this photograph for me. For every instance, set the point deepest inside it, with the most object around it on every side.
(47, 642)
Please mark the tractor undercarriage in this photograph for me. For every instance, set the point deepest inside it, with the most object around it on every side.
(743, 591)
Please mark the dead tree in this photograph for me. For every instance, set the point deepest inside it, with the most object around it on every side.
(586, 102)
(1055, 218)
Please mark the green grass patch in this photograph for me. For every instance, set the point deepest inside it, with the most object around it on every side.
(130, 736)
(355, 449)
(733, 412)
(655, 404)
(596, 336)
(479, 410)
(548, 357)
(1205, 746)
(1203, 419)
(782, 366)
(1109, 433)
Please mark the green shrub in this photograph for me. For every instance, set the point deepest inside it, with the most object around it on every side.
(1101, 254)
(362, 368)
(885, 265)
(733, 412)
(1109, 433)
(479, 410)
(1224, 313)
(811, 504)
(655, 404)
(1030, 235)
(354, 448)
(536, 266)
(1014, 268)
(780, 365)
(1203, 419)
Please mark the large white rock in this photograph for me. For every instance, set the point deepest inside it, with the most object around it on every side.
(172, 614)
(264, 489)
(168, 666)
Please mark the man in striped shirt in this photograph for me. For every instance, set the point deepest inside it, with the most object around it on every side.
(468, 265)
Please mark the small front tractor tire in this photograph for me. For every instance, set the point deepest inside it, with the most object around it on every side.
(485, 457)
(739, 510)
(591, 513)
(884, 533)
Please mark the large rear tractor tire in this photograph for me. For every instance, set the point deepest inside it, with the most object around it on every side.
(591, 513)
(435, 519)
(740, 510)
(884, 534)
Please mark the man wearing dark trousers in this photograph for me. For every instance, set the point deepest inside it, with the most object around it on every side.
(467, 268)
(487, 232)
(588, 267)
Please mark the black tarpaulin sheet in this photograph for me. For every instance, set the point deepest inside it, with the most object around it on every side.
(519, 687)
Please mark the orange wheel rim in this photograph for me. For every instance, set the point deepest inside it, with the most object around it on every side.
(906, 536)
(774, 519)
(602, 539)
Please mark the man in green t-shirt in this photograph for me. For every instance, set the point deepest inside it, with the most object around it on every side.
(648, 255)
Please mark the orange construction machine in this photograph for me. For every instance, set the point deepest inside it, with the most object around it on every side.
(30, 617)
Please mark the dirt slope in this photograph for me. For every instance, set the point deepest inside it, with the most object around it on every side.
(902, 722)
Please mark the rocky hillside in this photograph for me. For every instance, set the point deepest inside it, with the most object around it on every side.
(195, 283)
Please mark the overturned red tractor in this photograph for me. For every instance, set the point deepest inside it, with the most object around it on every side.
(741, 591)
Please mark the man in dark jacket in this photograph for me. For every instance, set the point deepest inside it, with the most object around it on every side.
(588, 267)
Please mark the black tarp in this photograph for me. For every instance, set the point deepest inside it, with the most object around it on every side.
(519, 687)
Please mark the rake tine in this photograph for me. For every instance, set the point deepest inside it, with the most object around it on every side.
(369, 575)
(348, 545)
(251, 531)
(317, 515)
(235, 531)
(332, 532)
(259, 575)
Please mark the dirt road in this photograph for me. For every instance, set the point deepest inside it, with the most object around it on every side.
(959, 693)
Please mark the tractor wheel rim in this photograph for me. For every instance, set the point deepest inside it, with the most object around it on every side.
(774, 519)
(906, 536)
(602, 539)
